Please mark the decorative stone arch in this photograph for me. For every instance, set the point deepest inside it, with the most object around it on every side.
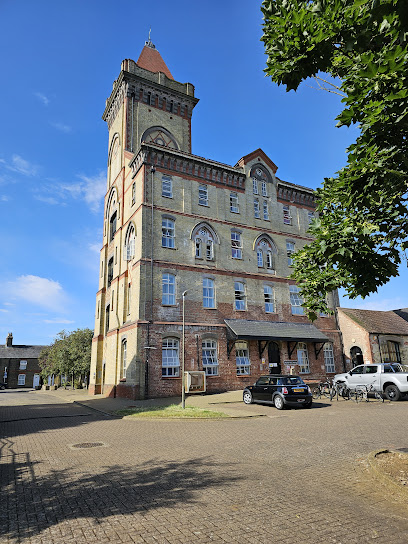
(207, 226)
(266, 237)
(265, 251)
(204, 237)
(159, 136)
(260, 171)
(111, 213)
(112, 202)
(114, 158)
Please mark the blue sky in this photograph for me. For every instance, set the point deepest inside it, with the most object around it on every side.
(58, 63)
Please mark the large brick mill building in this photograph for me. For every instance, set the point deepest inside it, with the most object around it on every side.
(177, 224)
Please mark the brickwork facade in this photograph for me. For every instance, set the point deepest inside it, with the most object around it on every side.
(223, 235)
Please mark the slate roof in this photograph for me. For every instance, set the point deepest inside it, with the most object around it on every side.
(151, 60)
(403, 312)
(20, 352)
(275, 330)
(377, 322)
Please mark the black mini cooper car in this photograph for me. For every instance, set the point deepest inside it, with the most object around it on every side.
(279, 390)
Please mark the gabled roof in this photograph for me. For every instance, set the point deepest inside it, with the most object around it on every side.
(20, 352)
(377, 322)
(257, 153)
(151, 60)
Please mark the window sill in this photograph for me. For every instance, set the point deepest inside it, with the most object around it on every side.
(209, 307)
(166, 196)
(243, 375)
(205, 205)
(166, 247)
(122, 380)
(171, 377)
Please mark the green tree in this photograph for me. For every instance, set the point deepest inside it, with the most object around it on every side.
(361, 232)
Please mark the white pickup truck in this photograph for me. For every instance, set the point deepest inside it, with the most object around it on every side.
(389, 378)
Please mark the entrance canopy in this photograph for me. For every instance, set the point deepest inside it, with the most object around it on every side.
(245, 329)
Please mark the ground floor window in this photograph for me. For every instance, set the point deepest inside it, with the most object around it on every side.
(390, 352)
(328, 357)
(170, 357)
(242, 358)
(210, 360)
(303, 358)
(21, 379)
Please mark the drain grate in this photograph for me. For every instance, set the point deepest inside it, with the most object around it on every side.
(88, 445)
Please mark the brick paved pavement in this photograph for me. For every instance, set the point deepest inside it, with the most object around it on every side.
(292, 476)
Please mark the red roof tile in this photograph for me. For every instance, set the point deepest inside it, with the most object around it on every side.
(151, 60)
(378, 322)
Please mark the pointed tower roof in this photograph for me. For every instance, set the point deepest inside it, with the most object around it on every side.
(151, 60)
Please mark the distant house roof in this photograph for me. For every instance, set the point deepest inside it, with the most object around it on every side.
(403, 312)
(269, 330)
(20, 352)
(151, 60)
(378, 322)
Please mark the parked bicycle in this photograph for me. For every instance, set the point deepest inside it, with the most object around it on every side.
(362, 393)
(340, 390)
(322, 390)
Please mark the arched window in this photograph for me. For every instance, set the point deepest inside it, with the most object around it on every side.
(168, 239)
(264, 253)
(242, 358)
(210, 359)
(208, 293)
(123, 360)
(204, 244)
(329, 357)
(170, 357)
(269, 299)
(303, 358)
(260, 180)
(114, 161)
(130, 242)
(240, 297)
(168, 289)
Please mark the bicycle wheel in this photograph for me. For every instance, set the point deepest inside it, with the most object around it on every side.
(326, 391)
(316, 393)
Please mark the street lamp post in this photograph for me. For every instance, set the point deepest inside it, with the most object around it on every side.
(183, 379)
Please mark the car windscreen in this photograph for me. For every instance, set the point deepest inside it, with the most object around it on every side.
(290, 380)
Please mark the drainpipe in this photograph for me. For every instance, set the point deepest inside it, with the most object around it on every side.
(150, 321)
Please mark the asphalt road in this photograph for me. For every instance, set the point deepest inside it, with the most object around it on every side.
(294, 476)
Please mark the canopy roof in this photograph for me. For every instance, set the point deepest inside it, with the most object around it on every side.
(245, 329)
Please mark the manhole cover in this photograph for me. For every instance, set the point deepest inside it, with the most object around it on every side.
(88, 445)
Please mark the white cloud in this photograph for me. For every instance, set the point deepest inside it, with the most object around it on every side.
(47, 199)
(95, 248)
(39, 291)
(4, 198)
(59, 320)
(374, 302)
(62, 127)
(4, 310)
(91, 189)
(22, 166)
(42, 98)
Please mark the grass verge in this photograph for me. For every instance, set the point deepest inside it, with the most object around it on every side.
(172, 411)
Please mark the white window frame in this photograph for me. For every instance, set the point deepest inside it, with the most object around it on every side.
(167, 187)
(287, 218)
(257, 209)
(264, 188)
(170, 358)
(269, 299)
(236, 245)
(168, 232)
(243, 362)
(290, 249)
(303, 358)
(130, 244)
(255, 186)
(240, 296)
(234, 204)
(208, 293)
(168, 289)
(21, 380)
(203, 240)
(329, 357)
(265, 210)
(123, 360)
(23, 365)
(259, 257)
(209, 357)
(203, 195)
(296, 300)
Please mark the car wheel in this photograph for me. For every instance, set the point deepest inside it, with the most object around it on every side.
(308, 405)
(247, 397)
(392, 392)
(278, 402)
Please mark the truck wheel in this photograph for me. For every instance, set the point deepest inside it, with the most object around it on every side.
(392, 392)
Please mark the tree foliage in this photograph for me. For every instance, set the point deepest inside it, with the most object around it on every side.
(69, 354)
(361, 232)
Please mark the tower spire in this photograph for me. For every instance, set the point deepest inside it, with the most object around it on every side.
(149, 43)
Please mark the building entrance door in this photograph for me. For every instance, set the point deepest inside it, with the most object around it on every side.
(274, 358)
(356, 356)
(36, 380)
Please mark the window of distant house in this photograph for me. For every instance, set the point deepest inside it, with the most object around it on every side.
(23, 365)
(208, 293)
(203, 195)
(123, 360)
(239, 289)
(390, 351)
(168, 239)
(112, 226)
(167, 187)
(234, 206)
(130, 242)
(110, 271)
(168, 289)
(21, 379)
(269, 300)
(209, 356)
(303, 358)
(264, 254)
(328, 357)
(287, 218)
(236, 245)
(296, 300)
(290, 249)
(170, 357)
(257, 210)
(242, 359)
(204, 244)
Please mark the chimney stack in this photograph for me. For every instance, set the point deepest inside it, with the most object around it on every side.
(9, 340)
